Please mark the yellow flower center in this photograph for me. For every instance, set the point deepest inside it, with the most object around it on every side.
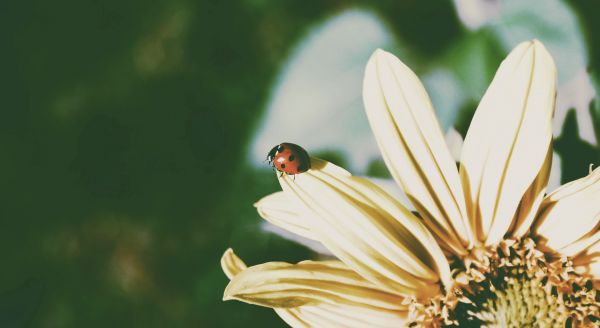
(512, 285)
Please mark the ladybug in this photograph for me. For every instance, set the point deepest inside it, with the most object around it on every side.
(289, 158)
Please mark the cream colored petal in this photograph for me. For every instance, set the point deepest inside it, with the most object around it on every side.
(311, 244)
(231, 264)
(555, 173)
(414, 149)
(325, 314)
(531, 201)
(391, 187)
(589, 260)
(455, 142)
(508, 140)
(334, 316)
(571, 215)
(581, 245)
(283, 212)
(284, 285)
(292, 317)
(368, 230)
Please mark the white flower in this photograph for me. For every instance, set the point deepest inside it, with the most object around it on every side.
(487, 247)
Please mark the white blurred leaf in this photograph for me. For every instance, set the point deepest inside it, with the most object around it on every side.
(316, 101)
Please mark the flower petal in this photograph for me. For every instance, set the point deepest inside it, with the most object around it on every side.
(368, 230)
(589, 261)
(325, 314)
(292, 317)
(328, 315)
(283, 212)
(508, 140)
(284, 285)
(391, 188)
(311, 244)
(231, 264)
(414, 149)
(570, 216)
(286, 218)
(455, 142)
(531, 201)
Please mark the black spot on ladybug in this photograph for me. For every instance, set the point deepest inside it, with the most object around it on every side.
(283, 166)
(280, 149)
(291, 158)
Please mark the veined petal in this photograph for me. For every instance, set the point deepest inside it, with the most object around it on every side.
(508, 140)
(232, 264)
(368, 230)
(570, 216)
(292, 317)
(414, 149)
(334, 316)
(581, 245)
(283, 212)
(325, 314)
(589, 260)
(391, 188)
(532, 199)
(311, 244)
(284, 285)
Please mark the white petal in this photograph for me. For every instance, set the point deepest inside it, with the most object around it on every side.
(391, 187)
(455, 142)
(581, 245)
(508, 140)
(292, 317)
(325, 314)
(369, 230)
(334, 316)
(555, 173)
(571, 215)
(286, 218)
(312, 244)
(285, 213)
(531, 201)
(284, 285)
(413, 147)
(231, 264)
(589, 261)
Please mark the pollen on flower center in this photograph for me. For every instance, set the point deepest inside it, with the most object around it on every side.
(513, 285)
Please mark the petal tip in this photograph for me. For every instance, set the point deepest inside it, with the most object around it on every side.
(230, 292)
(380, 54)
(227, 298)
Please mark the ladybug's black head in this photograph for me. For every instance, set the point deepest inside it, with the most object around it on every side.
(273, 152)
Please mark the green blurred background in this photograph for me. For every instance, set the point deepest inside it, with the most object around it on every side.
(124, 136)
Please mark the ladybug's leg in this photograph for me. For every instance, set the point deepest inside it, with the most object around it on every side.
(281, 174)
(294, 177)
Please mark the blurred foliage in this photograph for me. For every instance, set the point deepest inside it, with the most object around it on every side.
(123, 134)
